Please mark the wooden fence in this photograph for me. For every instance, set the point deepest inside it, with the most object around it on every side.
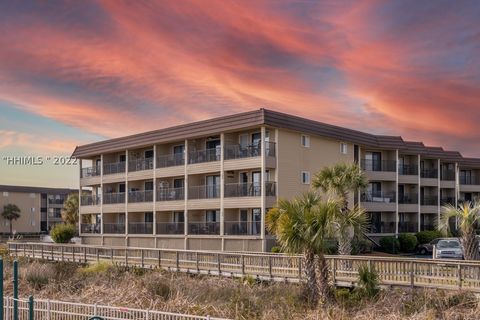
(394, 271)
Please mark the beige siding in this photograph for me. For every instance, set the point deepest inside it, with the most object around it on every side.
(29, 221)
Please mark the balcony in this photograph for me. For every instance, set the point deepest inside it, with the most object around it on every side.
(112, 198)
(207, 155)
(170, 160)
(140, 196)
(90, 228)
(170, 194)
(140, 228)
(427, 227)
(447, 201)
(407, 226)
(56, 201)
(90, 200)
(382, 227)
(380, 197)
(374, 165)
(429, 173)
(140, 164)
(244, 228)
(408, 170)
(204, 228)
(114, 228)
(408, 198)
(90, 172)
(239, 152)
(233, 190)
(429, 201)
(113, 168)
(469, 181)
(170, 228)
(204, 192)
(447, 175)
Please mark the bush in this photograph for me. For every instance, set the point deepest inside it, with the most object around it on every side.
(389, 244)
(62, 233)
(427, 236)
(96, 268)
(408, 242)
(38, 275)
(276, 249)
(368, 280)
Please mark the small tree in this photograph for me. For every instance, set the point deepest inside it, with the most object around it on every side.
(468, 217)
(70, 209)
(62, 233)
(11, 212)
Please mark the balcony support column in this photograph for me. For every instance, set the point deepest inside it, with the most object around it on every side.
(419, 194)
(262, 188)
(154, 228)
(126, 197)
(101, 197)
(185, 195)
(222, 189)
(396, 194)
(439, 192)
(79, 203)
(457, 189)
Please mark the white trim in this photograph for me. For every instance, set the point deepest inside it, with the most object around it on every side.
(307, 175)
(307, 140)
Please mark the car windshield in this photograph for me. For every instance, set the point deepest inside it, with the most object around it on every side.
(448, 244)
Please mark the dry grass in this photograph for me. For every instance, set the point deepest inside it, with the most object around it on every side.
(230, 298)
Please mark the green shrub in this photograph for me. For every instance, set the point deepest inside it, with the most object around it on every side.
(38, 275)
(368, 280)
(361, 245)
(408, 242)
(96, 268)
(389, 244)
(62, 233)
(427, 236)
(276, 249)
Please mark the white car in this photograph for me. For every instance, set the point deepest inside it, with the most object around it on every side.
(449, 249)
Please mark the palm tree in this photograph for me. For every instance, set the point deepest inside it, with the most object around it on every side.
(11, 212)
(468, 217)
(70, 209)
(303, 225)
(340, 180)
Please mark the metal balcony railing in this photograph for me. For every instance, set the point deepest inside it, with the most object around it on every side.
(427, 227)
(56, 201)
(381, 197)
(204, 192)
(112, 198)
(382, 227)
(429, 173)
(407, 226)
(140, 227)
(90, 172)
(170, 160)
(233, 190)
(429, 201)
(170, 194)
(472, 180)
(408, 198)
(447, 175)
(447, 200)
(112, 168)
(207, 155)
(236, 228)
(237, 151)
(170, 228)
(140, 164)
(204, 228)
(90, 228)
(375, 165)
(140, 196)
(114, 228)
(90, 200)
(408, 170)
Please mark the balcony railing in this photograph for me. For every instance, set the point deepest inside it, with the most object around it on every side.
(140, 227)
(242, 190)
(408, 170)
(90, 172)
(474, 180)
(207, 155)
(429, 201)
(112, 168)
(90, 200)
(408, 198)
(382, 227)
(204, 192)
(114, 228)
(140, 196)
(90, 228)
(427, 227)
(375, 165)
(170, 228)
(381, 197)
(170, 194)
(236, 228)
(112, 198)
(429, 173)
(447, 175)
(407, 226)
(56, 201)
(204, 228)
(170, 160)
(237, 151)
(447, 200)
(140, 164)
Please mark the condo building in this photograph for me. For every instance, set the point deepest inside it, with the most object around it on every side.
(40, 208)
(208, 185)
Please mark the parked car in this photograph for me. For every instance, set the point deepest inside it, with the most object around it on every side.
(446, 248)
(427, 248)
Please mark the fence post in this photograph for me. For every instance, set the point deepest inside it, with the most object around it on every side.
(218, 265)
(1, 289)
(197, 263)
(95, 309)
(49, 310)
(42, 251)
(243, 264)
(412, 274)
(30, 308)
(15, 290)
(270, 266)
(142, 254)
(126, 258)
(177, 260)
(299, 269)
(73, 254)
(51, 251)
(334, 271)
(62, 248)
(459, 276)
(98, 254)
(33, 251)
(85, 254)
(159, 259)
(111, 254)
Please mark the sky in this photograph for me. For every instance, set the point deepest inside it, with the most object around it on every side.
(75, 72)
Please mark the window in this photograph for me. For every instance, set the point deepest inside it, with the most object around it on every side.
(343, 148)
(33, 223)
(305, 141)
(305, 177)
(5, 193)
(32, 209)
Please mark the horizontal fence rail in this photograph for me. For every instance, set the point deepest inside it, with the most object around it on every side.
(441, 274)
(61, 310)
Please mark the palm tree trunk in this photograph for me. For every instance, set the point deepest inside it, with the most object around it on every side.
(470, 247)
(311, 290)
(323, 277)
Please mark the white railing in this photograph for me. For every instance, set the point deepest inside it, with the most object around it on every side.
(396, 271)
(56, 310)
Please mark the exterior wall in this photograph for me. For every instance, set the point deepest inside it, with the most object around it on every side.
(29, 205)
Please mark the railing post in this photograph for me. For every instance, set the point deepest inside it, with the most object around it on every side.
(111, 254)
(73, 254)
(51, 253)
(459, 267)
(334, 271)
(243, 264)
(15, 290)
(159, 259)
(218, 265)
(33, 251)
(143, 257)
(126, 257)
(270, 266)
(49, 310)
(30, 308)
(1, 289)
(177, 258)
(299, 269)
(62, 249)
(42, 251)
(85, 254)
(412, 275)
(97, 251)
(197, 263)
(16, 250)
